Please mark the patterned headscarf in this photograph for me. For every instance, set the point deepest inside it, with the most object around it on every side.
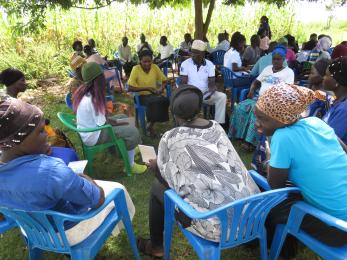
(323, 44)
(338, 70)
(285, 103)
(17, 120)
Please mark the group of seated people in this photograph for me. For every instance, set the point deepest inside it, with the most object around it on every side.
(196, 158)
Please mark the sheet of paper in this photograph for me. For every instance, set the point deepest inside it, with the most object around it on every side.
(129, 120)
(78, 166)
(147, 153)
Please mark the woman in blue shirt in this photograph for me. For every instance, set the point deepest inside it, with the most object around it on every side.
(336, 80)
(307, 153)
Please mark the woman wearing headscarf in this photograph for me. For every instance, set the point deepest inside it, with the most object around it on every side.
(14, 81)
(320, 176)
(336, 80)
(147, 79)
(194, 157)
(243, 120)
(339, 51)
(31, 180)
(89, 104)
(321, 50)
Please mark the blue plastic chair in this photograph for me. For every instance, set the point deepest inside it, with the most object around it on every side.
(296, 216)
(247, 223)
(229, 77)
(218, 57)
(6, 225)
(71, 73)
(44, 230)
(140, 112)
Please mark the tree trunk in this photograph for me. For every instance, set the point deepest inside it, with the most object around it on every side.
(208, 16)
(199, 23)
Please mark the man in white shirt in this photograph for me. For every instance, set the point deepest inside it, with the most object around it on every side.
(143, 45)
(186, 45)
(124, 52)
(166, 52)
(223, 44)
(199, 72)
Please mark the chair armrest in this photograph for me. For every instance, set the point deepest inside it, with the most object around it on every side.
(260, 180)
(172, 197)
(83, 130)
(76, 218)
(302, 208)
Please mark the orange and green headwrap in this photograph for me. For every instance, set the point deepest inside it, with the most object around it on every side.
(285, 103)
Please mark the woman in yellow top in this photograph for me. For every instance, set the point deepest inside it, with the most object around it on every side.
(147, 79)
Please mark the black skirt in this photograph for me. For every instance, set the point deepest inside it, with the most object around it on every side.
(157, 108)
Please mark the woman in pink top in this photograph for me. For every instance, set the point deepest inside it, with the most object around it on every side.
(264, 39)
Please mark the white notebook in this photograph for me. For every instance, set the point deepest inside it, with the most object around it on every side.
(147, 153)
(78, 166)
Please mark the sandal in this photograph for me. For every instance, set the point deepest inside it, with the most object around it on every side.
(145, 247)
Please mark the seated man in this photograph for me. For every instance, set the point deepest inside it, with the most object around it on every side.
(92, 56)
(223, 44)
(143, 45)
(31, 180)
(166, 52)
(124, 52)
(92, 44)
(186, 45)
(200, 73)
(78, 48)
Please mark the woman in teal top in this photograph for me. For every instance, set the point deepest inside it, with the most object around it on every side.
(307, 153)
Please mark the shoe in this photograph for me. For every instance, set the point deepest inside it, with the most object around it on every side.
(138, 168)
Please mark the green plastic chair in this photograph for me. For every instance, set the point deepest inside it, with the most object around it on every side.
(69, 120)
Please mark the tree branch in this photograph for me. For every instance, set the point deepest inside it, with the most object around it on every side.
(96, 7)
(209, 16)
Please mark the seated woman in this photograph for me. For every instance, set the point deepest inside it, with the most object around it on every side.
(14, 81)
(336, 80)
(193, 157)
(307, 153)
(89, 105)
(243, 120)
(144, 78)
(31, 180)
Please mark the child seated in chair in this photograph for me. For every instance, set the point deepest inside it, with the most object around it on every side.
(31, 180)
(307, 153)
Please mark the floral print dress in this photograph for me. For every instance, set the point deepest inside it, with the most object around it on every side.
(203, 167)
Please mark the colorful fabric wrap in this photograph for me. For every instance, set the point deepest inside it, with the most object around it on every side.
(285, 103)
(280, 50)
(17, 120)
(338, 70)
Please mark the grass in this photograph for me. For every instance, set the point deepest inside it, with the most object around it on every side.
(12, 245)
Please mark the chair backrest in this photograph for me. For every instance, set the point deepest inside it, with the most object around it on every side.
(69, 120)
(248, 217)
(218, 57)
(68, 100)
(43, 230)
(228, 76)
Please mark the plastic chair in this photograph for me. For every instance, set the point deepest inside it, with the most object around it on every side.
(296, 216)
(229, 77)
(140, 112)
(44, 230)
(247, 223)
(218, 57)
(71, 73)
(6, 224)
(69, 120)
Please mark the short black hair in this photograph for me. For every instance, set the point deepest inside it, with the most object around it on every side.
(237, 38)
(145, 53)
(88, 50)
(76, 43)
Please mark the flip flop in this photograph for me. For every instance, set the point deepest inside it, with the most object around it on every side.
(145, 247)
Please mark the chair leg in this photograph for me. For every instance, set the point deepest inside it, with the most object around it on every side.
(124, 154)
(90, 158)
(263, 247)
(168, 225)
(35, 254)
(122, 210)
(278, 241)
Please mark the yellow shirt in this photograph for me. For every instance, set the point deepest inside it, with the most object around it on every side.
(140, 79)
